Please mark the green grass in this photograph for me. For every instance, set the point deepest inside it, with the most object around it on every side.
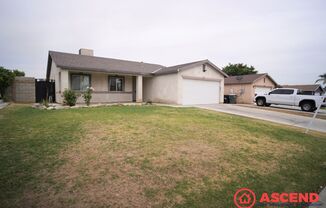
(149, 156)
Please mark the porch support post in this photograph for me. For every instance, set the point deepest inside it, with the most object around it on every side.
(139, 89)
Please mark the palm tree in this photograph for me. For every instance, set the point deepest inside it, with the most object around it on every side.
(322, 78)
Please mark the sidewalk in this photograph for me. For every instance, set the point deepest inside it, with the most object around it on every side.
(322, 200)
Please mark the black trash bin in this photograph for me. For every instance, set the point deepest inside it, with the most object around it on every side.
(232, 99)
(226, 99)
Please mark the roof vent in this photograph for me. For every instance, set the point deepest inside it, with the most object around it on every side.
(86, 52)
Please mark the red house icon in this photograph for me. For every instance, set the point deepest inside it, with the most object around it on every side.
(245, 198)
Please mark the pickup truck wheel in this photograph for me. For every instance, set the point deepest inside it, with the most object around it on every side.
(260, 101)
(307, 106)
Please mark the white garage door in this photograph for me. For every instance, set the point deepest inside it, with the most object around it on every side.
(262, 90)
(200, 92)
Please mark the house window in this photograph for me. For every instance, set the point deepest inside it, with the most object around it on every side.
(80, 82)
(116, 83)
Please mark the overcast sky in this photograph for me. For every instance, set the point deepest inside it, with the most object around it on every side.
(284, 38)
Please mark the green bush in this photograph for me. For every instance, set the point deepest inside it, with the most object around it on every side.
(87, 95)
(69, 97)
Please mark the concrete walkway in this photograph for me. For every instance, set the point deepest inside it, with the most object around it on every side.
(277, 117)
(2, 105)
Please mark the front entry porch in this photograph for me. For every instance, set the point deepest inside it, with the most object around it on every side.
(108, 88)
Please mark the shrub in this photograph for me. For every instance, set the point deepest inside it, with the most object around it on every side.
(87, 95)
(45, 103)
(69, 97)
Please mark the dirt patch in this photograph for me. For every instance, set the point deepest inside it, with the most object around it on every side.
(260, 154)
(97, 175)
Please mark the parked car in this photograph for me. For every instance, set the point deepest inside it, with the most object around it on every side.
(290, 96)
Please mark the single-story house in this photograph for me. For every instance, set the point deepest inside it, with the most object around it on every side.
(314, 89)
(116, 80)
(246, 86)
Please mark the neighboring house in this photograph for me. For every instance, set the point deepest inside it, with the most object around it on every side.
(314, 89)
(246, 86)
(116, 80)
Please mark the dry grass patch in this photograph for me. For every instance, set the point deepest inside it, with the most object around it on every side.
(126, 167)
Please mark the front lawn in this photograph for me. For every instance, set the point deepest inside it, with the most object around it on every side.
(148, 156)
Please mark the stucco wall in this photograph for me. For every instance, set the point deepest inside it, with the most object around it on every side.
(107, 97)
(198, 72)
(264, 82)
(161, 89)
(246, 92)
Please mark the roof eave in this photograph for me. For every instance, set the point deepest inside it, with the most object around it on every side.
(238, 83)
(201, 63)
(266, 75)
(90, 70)
(48, 68)
(218, 69)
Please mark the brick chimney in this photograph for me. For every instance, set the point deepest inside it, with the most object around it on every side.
(87, 52)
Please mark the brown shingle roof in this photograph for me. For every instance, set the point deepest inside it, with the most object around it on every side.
(109, 65)
(312, 87)
(177, 68)
(100, 64)
(245, 79)
(173, 69)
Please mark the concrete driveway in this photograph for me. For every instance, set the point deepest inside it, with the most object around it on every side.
(277, 117)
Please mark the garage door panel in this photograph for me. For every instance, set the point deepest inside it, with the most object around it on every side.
(200, 92)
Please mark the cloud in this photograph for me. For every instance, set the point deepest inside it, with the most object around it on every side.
(282, 38)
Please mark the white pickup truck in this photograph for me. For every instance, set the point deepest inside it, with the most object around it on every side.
(290, 96)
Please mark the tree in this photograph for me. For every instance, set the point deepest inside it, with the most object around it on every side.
(239, 69)
(6, 78)
(322, 78)
(18, 73)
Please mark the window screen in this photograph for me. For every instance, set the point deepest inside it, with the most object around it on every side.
(80, 82)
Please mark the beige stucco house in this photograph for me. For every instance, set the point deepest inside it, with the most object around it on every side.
(116, 80)
(246, 86)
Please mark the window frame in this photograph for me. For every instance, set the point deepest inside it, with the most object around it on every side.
(282, 92)
(80, 74)
(116, 77)
(272, 92)
(288, 90)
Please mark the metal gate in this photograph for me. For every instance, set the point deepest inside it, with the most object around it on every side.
(44, 90)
